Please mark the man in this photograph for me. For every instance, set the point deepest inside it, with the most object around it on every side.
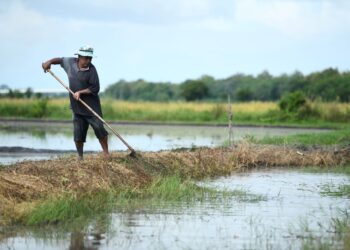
(84, 82)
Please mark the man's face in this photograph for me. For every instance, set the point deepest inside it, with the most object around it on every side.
(84, 61)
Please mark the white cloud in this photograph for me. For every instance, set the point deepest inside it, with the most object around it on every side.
(18, 21)
(149, 39)
(298, 19)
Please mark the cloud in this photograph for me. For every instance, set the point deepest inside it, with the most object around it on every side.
(18, 22)
(297, 19)
(135, 38)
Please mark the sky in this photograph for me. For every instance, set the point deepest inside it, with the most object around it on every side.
(172, 40)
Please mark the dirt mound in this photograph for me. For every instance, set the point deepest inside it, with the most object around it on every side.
(33, 180)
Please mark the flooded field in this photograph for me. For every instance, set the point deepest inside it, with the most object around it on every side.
(280, 209)
(58, 138)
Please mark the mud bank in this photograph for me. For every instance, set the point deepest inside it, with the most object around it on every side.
(23, 184)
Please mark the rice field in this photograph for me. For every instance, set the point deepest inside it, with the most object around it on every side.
(187, 112)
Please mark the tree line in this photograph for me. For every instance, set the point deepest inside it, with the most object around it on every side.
(327, 85)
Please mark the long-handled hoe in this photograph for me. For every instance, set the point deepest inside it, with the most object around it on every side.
(133, 152)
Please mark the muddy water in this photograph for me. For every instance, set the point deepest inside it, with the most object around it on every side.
(142, 137)
(292, 213)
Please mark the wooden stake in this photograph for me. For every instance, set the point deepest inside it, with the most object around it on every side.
(229, 112)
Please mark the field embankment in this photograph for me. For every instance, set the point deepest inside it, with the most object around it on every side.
(51, 191)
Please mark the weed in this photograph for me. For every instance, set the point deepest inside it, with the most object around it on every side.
(337, 191)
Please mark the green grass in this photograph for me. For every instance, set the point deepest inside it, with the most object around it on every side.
(69, 207)
(72, 207)
(339, 230)
(330, 189)
(336, 169)
(336, 137)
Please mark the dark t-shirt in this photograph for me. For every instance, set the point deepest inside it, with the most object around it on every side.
(82, 79)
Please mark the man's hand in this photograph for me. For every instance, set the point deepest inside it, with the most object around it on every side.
(46, 66)
(81, 92)
(77, 95)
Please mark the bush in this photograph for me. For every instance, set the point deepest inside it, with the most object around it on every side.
(39, 108)
(292, 102)
(297, 107)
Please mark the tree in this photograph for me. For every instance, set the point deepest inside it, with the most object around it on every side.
(28, 93)
(194, 90)
(244, 94)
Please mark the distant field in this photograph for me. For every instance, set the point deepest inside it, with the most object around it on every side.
(192, 112)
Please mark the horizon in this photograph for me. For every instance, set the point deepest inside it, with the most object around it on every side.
(63, 90)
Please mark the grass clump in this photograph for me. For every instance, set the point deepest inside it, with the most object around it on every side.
(69, 207)
(73, 207)
(173, 188)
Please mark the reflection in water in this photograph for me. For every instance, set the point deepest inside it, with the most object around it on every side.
(77, 241)
(81, 241)
(293, 214)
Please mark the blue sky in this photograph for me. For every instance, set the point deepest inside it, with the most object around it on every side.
(172, 40)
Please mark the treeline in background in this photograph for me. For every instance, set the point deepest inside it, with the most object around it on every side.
(327, 85)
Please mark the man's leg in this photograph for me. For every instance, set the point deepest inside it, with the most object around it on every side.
(104, 145)
(80, 149)
(101, 134)
(80, 130)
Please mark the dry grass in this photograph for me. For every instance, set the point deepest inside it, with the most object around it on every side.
(250, 107)
(247, 107)
(22, 184)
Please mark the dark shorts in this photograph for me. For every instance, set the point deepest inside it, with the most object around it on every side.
(81, 125)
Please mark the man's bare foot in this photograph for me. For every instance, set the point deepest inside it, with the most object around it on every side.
(107, 157)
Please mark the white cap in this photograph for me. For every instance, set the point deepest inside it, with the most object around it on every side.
(85, 51)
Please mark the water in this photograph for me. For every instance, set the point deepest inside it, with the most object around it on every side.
(292, 213)
(59, 137)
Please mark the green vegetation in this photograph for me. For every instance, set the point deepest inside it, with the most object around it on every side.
(75, 207)
(194, 90)
(336, 169)
(330, 189)
(327, 85)
(337, 137)
(339, 227)
(309, 114)
(70, 207)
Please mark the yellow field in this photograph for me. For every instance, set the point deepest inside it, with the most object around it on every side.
(251, 107)
(58, 108)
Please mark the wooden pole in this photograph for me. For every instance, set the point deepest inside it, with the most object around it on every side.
(229, 111)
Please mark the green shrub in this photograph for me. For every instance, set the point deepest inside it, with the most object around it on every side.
(292, 102)
(295, 106)
(39, 108)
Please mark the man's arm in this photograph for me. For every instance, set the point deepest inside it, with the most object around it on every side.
(80, 92)
(47, 65)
